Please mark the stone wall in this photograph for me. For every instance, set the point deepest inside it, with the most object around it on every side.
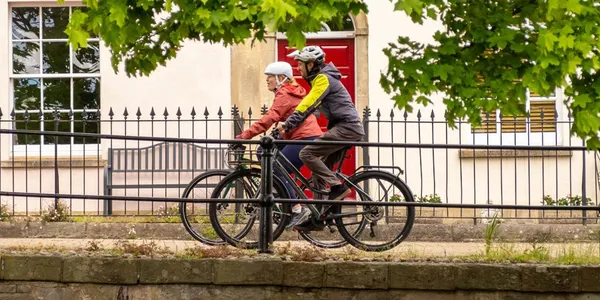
(419, 233)
(74, 277)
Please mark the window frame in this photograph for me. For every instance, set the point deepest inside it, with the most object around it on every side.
(41, 149)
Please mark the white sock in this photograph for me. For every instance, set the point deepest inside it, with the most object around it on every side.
(297, 209)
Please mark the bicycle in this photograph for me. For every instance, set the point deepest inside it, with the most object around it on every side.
(331, 216)
(208, 236)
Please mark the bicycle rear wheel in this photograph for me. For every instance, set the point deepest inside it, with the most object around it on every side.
(245, 184)
(194, 216)
(378, 186)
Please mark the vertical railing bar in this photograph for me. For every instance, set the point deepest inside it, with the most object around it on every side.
(515, 152)
(166, 114)
(138, 115)
(420, 158)
(387, 210)
(487, 135)
(447, 172)
(474, 181)
(125, 114)
(529, 172)
(41, 118)
(26, 119)
(499, 129)
(84, 117)
(460, 121)
(583, 184)
(432, 115)
(72, 120)
(543, 158)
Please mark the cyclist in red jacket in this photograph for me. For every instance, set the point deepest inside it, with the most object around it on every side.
(288, 94)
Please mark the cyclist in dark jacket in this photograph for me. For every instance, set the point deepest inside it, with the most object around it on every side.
(330, 96)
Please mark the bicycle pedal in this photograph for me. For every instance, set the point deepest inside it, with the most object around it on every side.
(372, 233)
(331, 226)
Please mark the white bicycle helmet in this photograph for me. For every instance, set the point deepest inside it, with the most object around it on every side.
(308, 54)
(279, 68)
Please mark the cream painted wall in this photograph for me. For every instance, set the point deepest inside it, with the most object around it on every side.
(200, 76)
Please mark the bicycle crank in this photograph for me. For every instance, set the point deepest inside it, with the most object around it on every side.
(372, 225)
(331, 226)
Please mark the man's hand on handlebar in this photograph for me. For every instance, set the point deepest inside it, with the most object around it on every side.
(280, 128)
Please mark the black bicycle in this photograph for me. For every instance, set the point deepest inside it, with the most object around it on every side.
(367, 184)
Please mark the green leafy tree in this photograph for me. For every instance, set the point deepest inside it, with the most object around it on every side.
(484, 59)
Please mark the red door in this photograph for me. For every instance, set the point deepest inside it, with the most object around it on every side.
(341, 53)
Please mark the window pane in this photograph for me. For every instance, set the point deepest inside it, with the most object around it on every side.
(87, 123)
(64, 124)
(26, 22)
(87, 60)
(57, 93)
(345, 24)
(27, 94)
(86, 93)
(547, 123)
(488, 123)
(55, 22)
(26, 58)
(513, 124)
(33, 123)
(56, 57)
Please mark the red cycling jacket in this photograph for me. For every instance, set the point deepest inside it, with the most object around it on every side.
(287, 97)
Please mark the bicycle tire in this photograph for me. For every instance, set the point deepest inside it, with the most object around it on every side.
(183, 208)
(410, 216)
(235, 241)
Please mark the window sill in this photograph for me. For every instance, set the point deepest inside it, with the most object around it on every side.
(48, 162)
(497, 153)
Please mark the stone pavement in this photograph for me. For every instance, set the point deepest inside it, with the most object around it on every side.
(411, 249)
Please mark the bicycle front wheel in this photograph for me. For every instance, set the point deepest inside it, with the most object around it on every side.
(229, 224)
(194, 216)
(377, 186)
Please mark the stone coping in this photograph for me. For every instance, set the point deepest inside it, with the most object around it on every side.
(276, 272)
(507, 232)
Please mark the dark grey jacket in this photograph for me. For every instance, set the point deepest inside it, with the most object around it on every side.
(330, 96)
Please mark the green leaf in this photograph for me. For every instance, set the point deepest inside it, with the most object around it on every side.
(77, 37)
(581, 100)
(573, 63)
(550, 59)
(203, 13)
(295, 36)
(118, 12)
(547, 39)
(431, 12)
(566, 42)
(240, 14)
(409, 6)
(517, 47)
(574, 6)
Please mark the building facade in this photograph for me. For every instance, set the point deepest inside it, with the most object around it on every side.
(43, 75)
